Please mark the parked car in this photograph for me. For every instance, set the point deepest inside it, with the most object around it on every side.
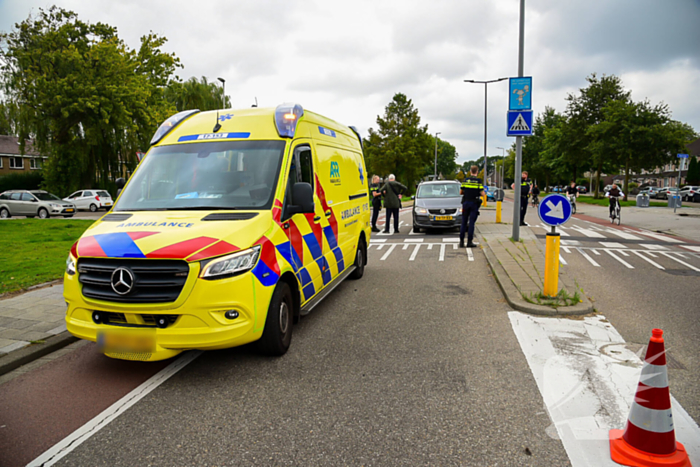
(91, 199)
(688, 191)
(650, 191)
(664, 192)
(33, 203)
(582, 189)
(437, 205)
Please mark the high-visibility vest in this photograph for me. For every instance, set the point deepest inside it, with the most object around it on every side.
(471, 189)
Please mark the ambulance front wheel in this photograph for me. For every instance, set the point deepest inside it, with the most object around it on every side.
(277, 334)
(360, 260)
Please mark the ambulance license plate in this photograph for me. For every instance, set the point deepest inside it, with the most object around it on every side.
(133, 340)
(442, 218)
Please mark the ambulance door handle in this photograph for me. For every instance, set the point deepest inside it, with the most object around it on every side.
(317, 218)
(329, 213)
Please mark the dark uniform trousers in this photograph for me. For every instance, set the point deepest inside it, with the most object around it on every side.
(471, 190)
(376, 204)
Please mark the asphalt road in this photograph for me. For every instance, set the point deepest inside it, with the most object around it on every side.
(414, 364)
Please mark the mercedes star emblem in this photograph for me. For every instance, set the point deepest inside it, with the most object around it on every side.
(442, 211)
(122, 281)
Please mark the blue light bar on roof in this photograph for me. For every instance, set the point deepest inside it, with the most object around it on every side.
(286, 118)
(171, 123)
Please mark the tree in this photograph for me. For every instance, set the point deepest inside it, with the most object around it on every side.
(400, 145)
(543, 152)
(8, 119)
(585, 111)
(693, 176)
(446, 165)
(196, 94)
(88, 101)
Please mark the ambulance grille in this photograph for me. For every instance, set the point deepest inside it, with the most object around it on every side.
(155, 281)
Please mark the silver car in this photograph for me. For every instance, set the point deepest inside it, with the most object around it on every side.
(438, 205)
(33, 203)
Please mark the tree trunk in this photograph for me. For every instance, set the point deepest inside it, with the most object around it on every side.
(597, 180)
(546, 182)
(627, 178)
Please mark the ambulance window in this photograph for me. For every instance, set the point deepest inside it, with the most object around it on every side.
(307, 170)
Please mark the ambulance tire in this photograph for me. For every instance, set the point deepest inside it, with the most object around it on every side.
(277, 335)
(360, 261)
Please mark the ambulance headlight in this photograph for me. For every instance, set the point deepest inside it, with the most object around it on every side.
(70, 265)
(230, 265)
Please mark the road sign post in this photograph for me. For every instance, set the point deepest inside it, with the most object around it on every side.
(554, 210)
(683, 158)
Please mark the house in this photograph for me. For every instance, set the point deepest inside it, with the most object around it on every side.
(12, 161)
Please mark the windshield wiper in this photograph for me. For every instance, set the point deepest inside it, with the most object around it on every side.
(201, 208)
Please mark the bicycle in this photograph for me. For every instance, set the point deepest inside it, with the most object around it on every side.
(615, 215)
(535, 201)
(572, 200)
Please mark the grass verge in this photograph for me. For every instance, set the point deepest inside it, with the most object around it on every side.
(563, 298)
(35, 250)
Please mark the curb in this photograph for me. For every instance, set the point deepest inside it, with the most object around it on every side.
(29, 289)
(28, 354)
(512, 295)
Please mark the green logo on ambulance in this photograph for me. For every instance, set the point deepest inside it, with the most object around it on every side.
(335, 173)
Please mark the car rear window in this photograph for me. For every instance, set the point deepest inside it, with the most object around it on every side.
(103, 193)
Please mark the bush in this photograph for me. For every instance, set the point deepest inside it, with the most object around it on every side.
(582, 181)
(21, 181)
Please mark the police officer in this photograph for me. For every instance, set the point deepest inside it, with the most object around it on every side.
(471, 190)
(376, 196)
(524, 189)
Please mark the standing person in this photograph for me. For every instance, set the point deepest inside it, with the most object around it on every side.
(376, 195)
(392, 191)
(524, 190)
(471, 190)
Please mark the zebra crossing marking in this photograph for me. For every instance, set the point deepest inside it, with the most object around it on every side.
(413, 240)
(470, 255)
(588, 232)
(650, 246)
(619, 259)
(590, 260)
(612, 244)
(415, 252)
(679, 261)
(622, 234)
(388, 252)
(653, 263)
(695, 248)
(442, 252)
(562, 261)
(659, 237)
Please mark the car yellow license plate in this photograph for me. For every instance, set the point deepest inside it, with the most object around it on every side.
(127, 340)
(108, 204)
(443, 218)
(69, 210)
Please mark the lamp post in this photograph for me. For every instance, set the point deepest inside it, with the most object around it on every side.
(503, 162)
(486, 94)
(436, 140)
(223, 92)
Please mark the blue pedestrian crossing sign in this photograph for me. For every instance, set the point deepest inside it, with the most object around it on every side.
(554, 210)
(520, 93)
(519, 123)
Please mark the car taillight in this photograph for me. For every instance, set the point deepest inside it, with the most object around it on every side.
(97, 198)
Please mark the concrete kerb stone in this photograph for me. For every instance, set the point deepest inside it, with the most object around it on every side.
(514, 297)
(28, 354)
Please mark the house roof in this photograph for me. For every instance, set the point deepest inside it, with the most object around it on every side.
(9, 146)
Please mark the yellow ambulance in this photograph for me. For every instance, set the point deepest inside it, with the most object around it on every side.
(234, 225)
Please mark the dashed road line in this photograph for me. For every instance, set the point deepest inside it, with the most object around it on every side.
(590, 260)
(679, 261)
(470, 255)
(415, 252)
(442, 252)
(388, 252)
(653, 263)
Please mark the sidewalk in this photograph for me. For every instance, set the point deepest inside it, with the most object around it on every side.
(31, 325)
(519, 270)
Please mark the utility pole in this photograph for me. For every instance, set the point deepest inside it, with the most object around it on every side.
(519, 139)
(436, 140)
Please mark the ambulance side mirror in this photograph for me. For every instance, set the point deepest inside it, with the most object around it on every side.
(302, 199)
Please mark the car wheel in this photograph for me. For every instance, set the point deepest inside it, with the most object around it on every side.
(43, 213)
(360, 261)
(277, 335)
(93, 208)
(4, 213)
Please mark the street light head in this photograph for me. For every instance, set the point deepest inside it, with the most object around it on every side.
(468, 80)
(221, 79)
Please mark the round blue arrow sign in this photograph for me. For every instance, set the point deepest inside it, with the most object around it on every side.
(554, 210)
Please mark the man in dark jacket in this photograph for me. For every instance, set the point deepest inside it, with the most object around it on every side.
(523, 190)
(376, 197)
(392, 191)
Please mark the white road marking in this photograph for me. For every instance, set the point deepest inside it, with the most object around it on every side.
(548, 229)
(562, 260)
(430, 246)
(588, 379)
(623, 252)
(454, 247)
(450, 239)
(388, 252)
(651, 254)
(570, 242)
(410, 240)
(470, 255)
(682, 255)
(649, 246)
(380, 246)
(590, 260)
(679, 261)
(82, 434)
(442, 252)
(415, 252)
(413, 232)
(566, 249)
(653, 263)
(622, 234)
(695, 248)
(378, 240)
(659, 237)
(589, 233)
(405, 246)
(595, 251)
(619, 259)
(612, 245)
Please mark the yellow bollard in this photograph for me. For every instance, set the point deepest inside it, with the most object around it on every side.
(551, 265)
(484, 199)
(498, 212)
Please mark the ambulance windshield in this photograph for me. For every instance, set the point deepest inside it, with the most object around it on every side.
(206, 176)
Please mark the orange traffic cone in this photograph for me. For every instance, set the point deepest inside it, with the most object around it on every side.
(649, 439)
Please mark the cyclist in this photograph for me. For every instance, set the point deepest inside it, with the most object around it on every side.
(614, 194)
(535, 193)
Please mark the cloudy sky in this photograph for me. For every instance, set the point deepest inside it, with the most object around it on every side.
(346, 60)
